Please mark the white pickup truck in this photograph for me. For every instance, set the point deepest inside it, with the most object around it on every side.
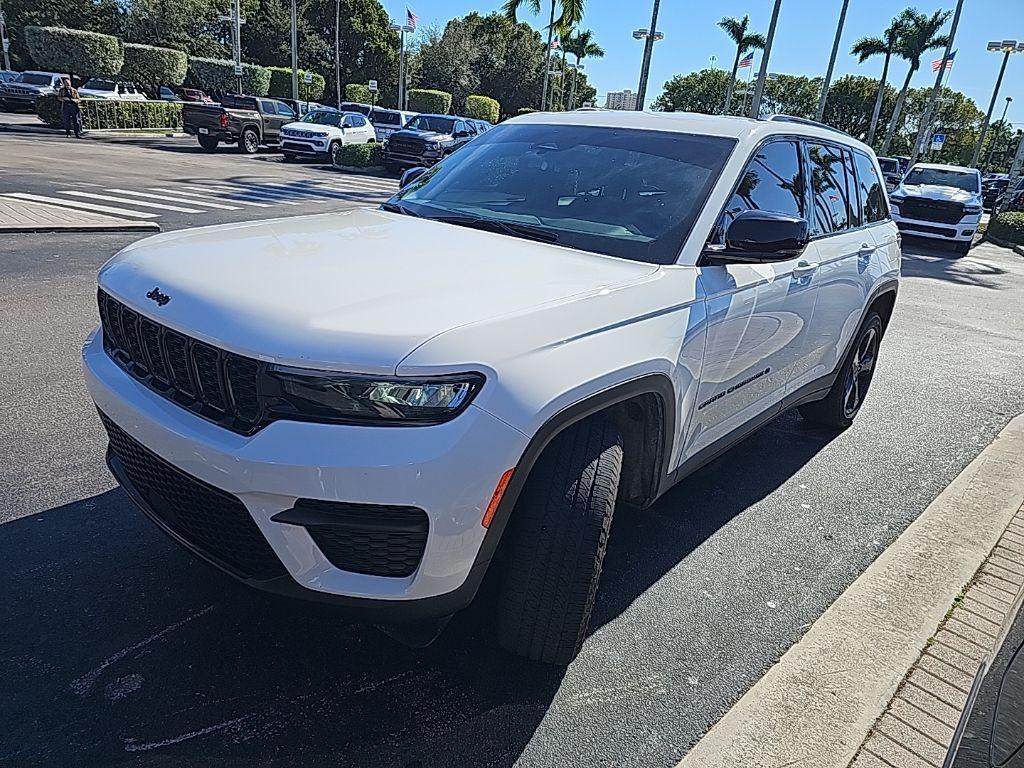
(377, 408)
(941, 202)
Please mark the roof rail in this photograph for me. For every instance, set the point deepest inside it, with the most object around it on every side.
(805, 121)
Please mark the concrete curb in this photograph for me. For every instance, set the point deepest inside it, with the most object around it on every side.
(818, 703)
(1018, 249)
(134, 226)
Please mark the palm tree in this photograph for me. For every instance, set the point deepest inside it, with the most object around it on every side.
(571, 15)
(737, 31)
(582, 46)
(885, 46)
(918, 35)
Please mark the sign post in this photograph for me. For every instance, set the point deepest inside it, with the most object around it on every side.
(372, 86)
(938, 139)
(4, 42)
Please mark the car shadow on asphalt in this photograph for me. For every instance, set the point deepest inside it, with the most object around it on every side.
(122, 648)
(935, 262)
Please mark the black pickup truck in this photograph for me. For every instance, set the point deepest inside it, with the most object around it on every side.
(248, 121)
(425, 140)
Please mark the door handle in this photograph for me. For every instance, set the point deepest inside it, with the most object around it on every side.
(804, 268)
(865, 249)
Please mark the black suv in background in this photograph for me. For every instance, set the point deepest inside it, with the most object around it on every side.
(426, 139)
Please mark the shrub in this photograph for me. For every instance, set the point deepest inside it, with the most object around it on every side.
(435, 102)
(1009, 227)
(104, 114)
(88, 54)
(483, 108)
(525, 110)
(154, 66)
(359, 155)
(359, 93)
(219, 75)
(281, 84)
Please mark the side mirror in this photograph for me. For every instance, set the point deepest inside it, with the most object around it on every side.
(460, 134)
(409, 176)
(765, 236)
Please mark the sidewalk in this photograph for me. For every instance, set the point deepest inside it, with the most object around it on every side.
(880, 678)
(26, 216)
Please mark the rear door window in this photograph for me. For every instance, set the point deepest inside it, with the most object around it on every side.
(856, 214)
(870, 190)
(829, 194)
(268, 107)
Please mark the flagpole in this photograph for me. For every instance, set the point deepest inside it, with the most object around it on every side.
(938, 83)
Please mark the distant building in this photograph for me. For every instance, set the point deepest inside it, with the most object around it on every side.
(620, 100)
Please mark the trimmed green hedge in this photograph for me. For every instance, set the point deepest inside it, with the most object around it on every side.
(150, 65)
(525, 110)
(219, 75)
(359, 93)
(281, 84)
(359, 155)
(432, 102)
(483, 108)
(88, 54)
(98, 114)
(1008, 226)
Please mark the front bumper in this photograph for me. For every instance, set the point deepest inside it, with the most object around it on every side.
(413, 161)
(964, 229)
(298, 147)
(448, 470)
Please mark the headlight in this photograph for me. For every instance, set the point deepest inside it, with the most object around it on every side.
(433, 145)
(972, 210)
(896, 199)
(353, 399)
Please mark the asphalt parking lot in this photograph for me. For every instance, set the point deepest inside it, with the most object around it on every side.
(118, 648)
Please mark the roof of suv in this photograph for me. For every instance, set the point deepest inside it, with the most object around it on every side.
(743, 128)
(944, 167)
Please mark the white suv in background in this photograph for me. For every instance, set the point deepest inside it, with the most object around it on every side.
(630, 296)
(110, 90)
(320, 131)
(941, 202)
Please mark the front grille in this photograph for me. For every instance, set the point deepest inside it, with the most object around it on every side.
(217, 385)
(405, 145)
(923, 209)
(371, 539)
(212, 521)
(912, 227)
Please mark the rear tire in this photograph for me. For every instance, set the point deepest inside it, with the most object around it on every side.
(842, 403)
(556, 543)
(208, 143)
(249, 142)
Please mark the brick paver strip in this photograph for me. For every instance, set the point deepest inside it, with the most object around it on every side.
(912, 739)
(926, 702)
(1015, 580)
(985, 610)
(894, 753)
(997, 587)
(867, 760)
(921, 720)
(946, 672)
(26, 216)
(966, 664)
(999, 559)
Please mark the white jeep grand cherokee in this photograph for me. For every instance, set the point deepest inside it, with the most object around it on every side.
(379, 407)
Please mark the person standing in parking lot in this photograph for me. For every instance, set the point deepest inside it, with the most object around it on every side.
(70, 111)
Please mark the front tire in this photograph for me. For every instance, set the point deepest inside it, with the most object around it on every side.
(842, 403)
(249, 142)
(557, 539)
(963, 247)
(208, 143)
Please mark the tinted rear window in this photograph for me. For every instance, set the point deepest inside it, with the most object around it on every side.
(381, 117)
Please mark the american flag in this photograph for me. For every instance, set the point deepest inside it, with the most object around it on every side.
(411, 19)
(747, 60)
(555, 45)
(937, 64)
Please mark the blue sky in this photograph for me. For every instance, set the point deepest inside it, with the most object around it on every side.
(803, 39)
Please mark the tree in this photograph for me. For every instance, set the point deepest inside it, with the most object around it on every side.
(267, 35)
(955, 115)
(737, 30)
(448, 61)
(218, 76)
(192, 26)
(886, 46)
(918, 34)
(851, 101)
(88, 54)
(702, 91)
(571, 15)
(582, 46)
(89, 15)
(152, 66)
(794, 95)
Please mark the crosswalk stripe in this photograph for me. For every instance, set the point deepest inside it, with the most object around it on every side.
(159, 207)
(241, 191)
(203, 200)
(384, 185)
(357, 190)
(82, 206)
(174, 199)
(306, 191)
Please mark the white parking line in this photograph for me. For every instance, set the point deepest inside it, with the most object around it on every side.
(81, 206)
(270, 197)
(160, 207)
(382, 185)
(174, 199)
(202, 200)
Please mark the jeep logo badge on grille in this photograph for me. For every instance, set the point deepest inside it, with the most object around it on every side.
(157, 296)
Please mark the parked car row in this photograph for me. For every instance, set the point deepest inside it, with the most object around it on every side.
(22, 90)
(250, 122)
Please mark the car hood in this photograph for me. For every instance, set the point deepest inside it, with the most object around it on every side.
(323, 130)
(355, 291)
(938, 192)
(425, 135)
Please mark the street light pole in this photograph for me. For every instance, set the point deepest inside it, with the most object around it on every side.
(237, 22)
(831, 63)
(645, 67)
(337, 51)
(401, 30)
(547, 60)
(988, 155)
(926, 118)
(295, 52)
(3, 38)
(1007, 47)
(755, 104)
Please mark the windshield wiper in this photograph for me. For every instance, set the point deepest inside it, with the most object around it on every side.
(497, 225)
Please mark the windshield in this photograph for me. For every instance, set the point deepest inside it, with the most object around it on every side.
(626, 193)
(383, 117)
(322, 117)
(99, 85)
(888, 165)
(943, 177)
(431, 123)
(34, 78)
